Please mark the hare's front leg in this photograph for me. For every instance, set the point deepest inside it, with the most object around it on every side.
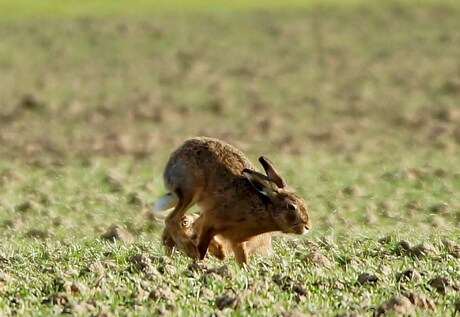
(203, 243)
(168, 242)
(205, 234)
(214, 246)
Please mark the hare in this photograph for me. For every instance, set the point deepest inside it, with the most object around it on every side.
(216, 248)
(261, 244)
(237, 202)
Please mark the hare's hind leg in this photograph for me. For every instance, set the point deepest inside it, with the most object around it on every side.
(217, 249)
(183, 242)
(241, 252)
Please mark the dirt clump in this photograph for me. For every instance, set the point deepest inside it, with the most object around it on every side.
(367, 278)
(59, 298)
(14, 223)
(403, 244)
(413, 205)
(440, 284)
(76, 288)
(452, 248)
(198, 267)
(114, 182)
(457, 306)
(440, 208)
(27, 206)
(408, 275)
(318, 259)
(420, 300)
(38, 233)
(30, 102)
(59, 283)
(423, 249)
(227, 300)
(385, 240)
(289, 285)
(353, 191)
(135, 199)
(141, 262)
(328, 242)
(95, 267)
(161, 293)
(83, 309)
(223, 271)
(399, 305)
(167, 269)
(117, 232)
(404, 304)
(387, 208)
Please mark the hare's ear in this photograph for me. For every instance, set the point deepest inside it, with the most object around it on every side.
(260, 182)
(272, 173)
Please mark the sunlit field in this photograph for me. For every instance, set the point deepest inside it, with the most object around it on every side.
(357, 104)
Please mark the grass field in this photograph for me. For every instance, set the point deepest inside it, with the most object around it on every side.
(357, 104)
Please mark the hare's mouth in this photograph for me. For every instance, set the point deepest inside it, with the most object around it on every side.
(306, 229)
(300, 228)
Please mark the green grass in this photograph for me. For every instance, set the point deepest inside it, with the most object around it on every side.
(75, 204)
(26, 9)
(356, 103)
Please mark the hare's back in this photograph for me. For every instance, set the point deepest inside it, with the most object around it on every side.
(203, 160)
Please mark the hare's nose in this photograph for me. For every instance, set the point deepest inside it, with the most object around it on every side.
(306, 229)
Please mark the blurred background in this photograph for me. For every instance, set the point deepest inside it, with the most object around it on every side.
(355, 98)
(104, 78)
(357, 102)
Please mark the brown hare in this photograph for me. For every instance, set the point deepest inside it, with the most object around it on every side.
(237, 202)
(261, 244)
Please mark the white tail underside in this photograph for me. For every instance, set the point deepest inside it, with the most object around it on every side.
(163, 206)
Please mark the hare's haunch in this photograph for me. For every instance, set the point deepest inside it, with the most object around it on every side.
(237, 202)
(220, 248)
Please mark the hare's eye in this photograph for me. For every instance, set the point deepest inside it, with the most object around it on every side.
(184, 223)
(292, 207)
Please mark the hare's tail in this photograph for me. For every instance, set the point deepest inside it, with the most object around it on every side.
(163, 206)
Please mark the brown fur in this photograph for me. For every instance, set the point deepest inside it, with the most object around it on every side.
(221, 249)
(237, 203)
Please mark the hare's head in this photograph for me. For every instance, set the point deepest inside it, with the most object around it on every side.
(186, 225)
(289, 210)
(187, 222)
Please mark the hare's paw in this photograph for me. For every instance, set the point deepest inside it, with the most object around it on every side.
(217, 249)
